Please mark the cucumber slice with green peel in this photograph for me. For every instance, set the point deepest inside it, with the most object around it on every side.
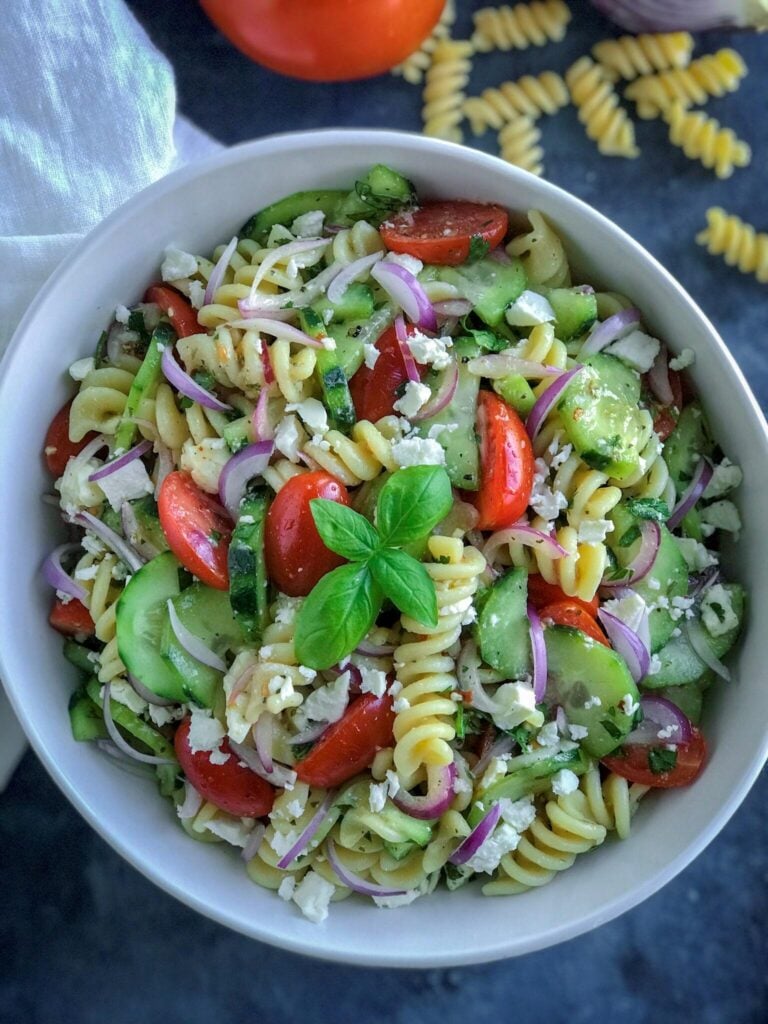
(380, 193)
(590, 681)
(132, 724)
(86, 718)
(142, 617)
(333, 381)
(144, 385)
(390, 824)
(355, 304)
(349, 350)
(690, 700)
(687, 443)
(619, 377)
(80, 656)
(534, 776)
(517, 392)
(248, 586)
(285, 211)
(489, 286)
(502, 628)
(575, 311)
(148, 522)
(237, 433)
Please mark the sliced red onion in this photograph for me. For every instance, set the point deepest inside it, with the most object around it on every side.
(262, 428)
(407, 292)
(123, 761)
(469, 847)
(123, 460)
(164, 464)
(522, 533)
(658, 377)
(503, 745)
(263, 737)
(613, 329)
(237, 473)
(701, 581)
(500, 255)
(309, 735)
(691, 15)
(217, 275)
(278, 329)
(402, 340)
(91, 448)
(374, 650)
(353, 881)
(468, 666)
(118, 740)
(192, 644)
(438, 798)
(54, 574)
(502, 364)
(627, 643)
(146, 694)
(642, 563)
(539, 651)
(355, 674)
(192, 803)
(284, 252)
(113, 540)
(698, 641)
(280, 776)
(284, 305)
(352, 272)
(131, 532)
(660, 714)
(452, 307)
(255, 839)
(188, 387)
(699, 483)
(309, 832)
(443, 394)
(266, 363)
(546, 401)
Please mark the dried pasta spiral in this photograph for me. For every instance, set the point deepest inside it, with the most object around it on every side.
(519, 145)
(521, 26)
(605, 121)
(737, 242)
(531, 96)
(424, 726)
(715, 74)
(630, 56)
(611, 801)
(542, 253)
(444, 89)
(702, 138)
(362, 456)
(350, 244)
(413, 67)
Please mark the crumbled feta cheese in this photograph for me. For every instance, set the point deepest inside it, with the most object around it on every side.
(546, 502)
(679, 607)
(232, 831)
(393, 782)
(496, 770)
(400, 704)
(518, 813)
(655, 664)
(177, 264)
(720, 515)
(628, 704)
(295, 808)
(401, 900)
(414, 397)
(287, 438)
(205, 731)
(122, 314)
(559, 455)
(377, 796)
(594, 531)
(281, 842)
(122, 691)
(127, 483)
(653, 583)
(631, 610)
(717, 611)
(76, 491)
(88, 572)
(196, 294)
(515, 704)
(548, 735)
(725, 478)
(592, 702)
(461, 785)
(410, 263)
(80, 369)
(430, 351)
(313, 895)
(470, 616)
(504, 839)
(286, 888)
(327, 703)
(371, 354)
(164, 716)
(287, 608)
(307, 673)
(438, 429)
(564, 782)
(308, 225)
(668, 731)
(418, 451)
(280, 684)
(578, 732)
(312, 412)
(680, 362)
(373, 680)
(458, 608)
(395, 688)
(529, 310)
(636, 349)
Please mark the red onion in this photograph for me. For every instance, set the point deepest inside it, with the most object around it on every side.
(350, 273)
(502, 364)
(613, 329)
(164, 464)
(700, 644)
(263, 737)
(54, 574)
(642, 563)
(701, 581)
(627, 643)
(280, 776)
(217, 275)
(113, 540)
(309, 735)
(353, 881)
(699, 483)
(502, 746)
(539, 651)
(500, 255)
(188, 387)
(248, 463)
(124, 761)
(658, 378)
(469, 847)
(123, 460)
(118, 740)
(284, 305)
(146, 694)
(452, 307)
(251, 848)
(438, 798)
(266, 362)
(131, 532)
(402, 340)
(309, 832)
(467, 670)
(690, 15)
(522, 533)
(374, 650)
(546, 400)
(660, 714)
(262, 428)
(193, 801)
(355, 675)
(91, 448)
(284, 252)
(278, 329)
(443, 394)
(192, 644)
(406, 291)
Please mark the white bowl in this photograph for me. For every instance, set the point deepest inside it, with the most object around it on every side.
(197, 208)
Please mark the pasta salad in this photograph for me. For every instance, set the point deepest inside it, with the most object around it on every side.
(394, 550)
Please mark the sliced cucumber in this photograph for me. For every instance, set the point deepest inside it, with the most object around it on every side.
(459, 438)
(380, 193)
(86, 718)
(502, 628)
(690, 700)
(686, 444)
(237, 433)
(349, 351)
(144, 385)
(355, 304)
(620, 378)
(247, 571)
(532, 778)
(148, 522)
(489, 286)
(517, 392)
(132, 724)
(330, 374)
(285, 211)
(575, 311)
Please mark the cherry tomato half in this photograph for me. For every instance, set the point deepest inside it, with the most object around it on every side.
(541, 593)
(326, 40)
(632, 763)
(349, 745)
(442, 232)
(233, 788)
(58, 449)
(197, 528)
(293, 550)
(173, 305)
(71, 618)
(506, 464)
(374, 389)
(572, 613)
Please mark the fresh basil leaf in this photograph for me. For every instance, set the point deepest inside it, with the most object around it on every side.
(478, 248)
(411, 503)
(629, 536)
(335, 617)
(661, 760)
(648, 508)
(488, 340)
(406, 583)
(343, 530)
(611, 729)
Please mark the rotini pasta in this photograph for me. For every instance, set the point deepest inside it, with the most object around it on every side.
(605, 121)
(530, 96)
(578, 573)
(612, 801)
(737, 242)
(519, 145)
(542, 253)
(350, 244)
(630, 56)
(360, 457)
(702, 138)
(715, 74)
(521, 26)
(413, 67)
(443, 95)
(100, 402)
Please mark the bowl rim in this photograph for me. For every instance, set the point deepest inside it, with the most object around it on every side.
(286, 142)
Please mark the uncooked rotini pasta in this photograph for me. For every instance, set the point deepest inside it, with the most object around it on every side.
(443, 94)
(605, 121)
(521, 26)
(530, 96)
(519, 145)
(630, 56)
(383, 592)
(714, 74)
(702, 138)
(413, 67)
(738, 242)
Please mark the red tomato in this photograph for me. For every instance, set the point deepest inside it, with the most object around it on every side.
(632, 763)
(541, 593)
(293, 550)
(175, 307)
(665, 419)
(231, 787)
(197, 528)
(374, 391)
(442, 232)
(71, 618)
(58, 449)
(506, 464)
(349, 745)
(326, 40)
(572, 613)
(664, 423)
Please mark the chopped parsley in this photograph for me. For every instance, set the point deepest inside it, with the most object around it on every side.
(478, 248)
(630, 536)
(661, 760)
(611, 728)
(488, 340)
(648, 508)
(522, 736)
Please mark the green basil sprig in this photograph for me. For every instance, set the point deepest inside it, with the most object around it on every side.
(343, 606)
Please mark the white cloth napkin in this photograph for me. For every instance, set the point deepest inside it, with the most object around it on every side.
(87, 118)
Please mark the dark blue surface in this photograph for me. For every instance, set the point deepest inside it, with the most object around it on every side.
(85, 938)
